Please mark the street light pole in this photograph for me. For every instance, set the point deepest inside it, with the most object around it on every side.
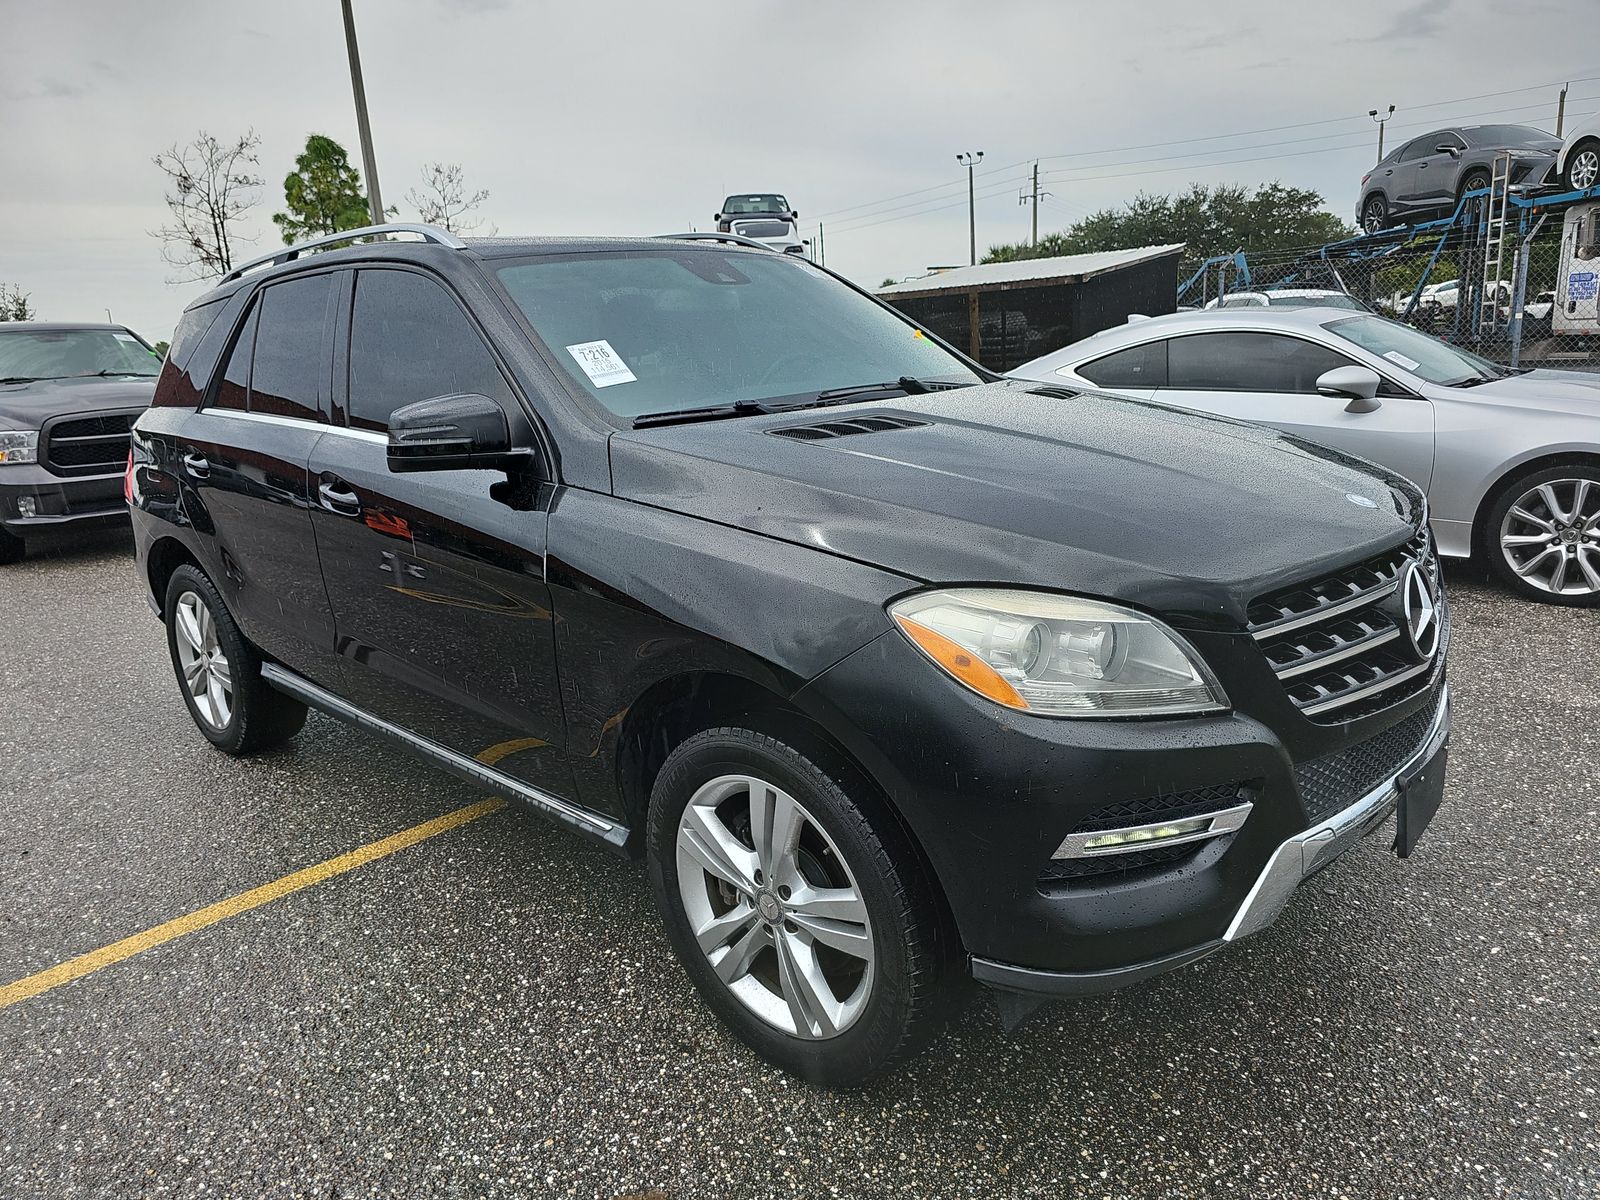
(970, 159)
(369, 162)
(1373, 113)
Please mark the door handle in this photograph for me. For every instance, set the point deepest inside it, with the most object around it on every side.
(197, 465)
(337, 497)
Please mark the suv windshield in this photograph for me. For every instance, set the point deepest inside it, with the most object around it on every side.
(667, 330)
(765, 202)
(27, 354)
(1416, 352)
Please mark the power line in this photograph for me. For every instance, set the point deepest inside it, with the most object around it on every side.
(941, 187)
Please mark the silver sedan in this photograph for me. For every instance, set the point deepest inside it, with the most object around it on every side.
(1510, 459)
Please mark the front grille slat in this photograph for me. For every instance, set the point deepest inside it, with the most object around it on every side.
(1332, 642)
(87, 444)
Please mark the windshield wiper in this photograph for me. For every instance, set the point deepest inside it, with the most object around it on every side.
(22, 379)
(711, 412)
(1472, 381)
(128, 374)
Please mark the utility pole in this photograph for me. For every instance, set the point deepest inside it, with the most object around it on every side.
(1034, 197)
(822, 248)
(970, 159)
(369, 163)
(1373, 113)
(1561, 109)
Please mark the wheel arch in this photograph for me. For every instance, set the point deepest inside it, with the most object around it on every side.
(1536, 461)
(674, 709)
(165, 556)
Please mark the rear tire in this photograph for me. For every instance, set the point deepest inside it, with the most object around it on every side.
(219, 673)
(1542, 535)
(820, 950)
(12, 548)
(1374, 213)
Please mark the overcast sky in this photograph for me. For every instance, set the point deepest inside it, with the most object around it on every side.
(637, 118)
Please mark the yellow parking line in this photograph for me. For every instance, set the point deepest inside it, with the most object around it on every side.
(95, 960)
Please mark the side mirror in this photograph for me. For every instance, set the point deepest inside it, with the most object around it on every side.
(1359, 385)
(794, 214)
(716, 217)
(451, 433)
(1445, 148)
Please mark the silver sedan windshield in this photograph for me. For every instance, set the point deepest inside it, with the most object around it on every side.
(1425, 356)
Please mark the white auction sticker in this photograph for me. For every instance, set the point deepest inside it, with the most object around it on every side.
(1409, 364)
(602, 364)
(125, 337)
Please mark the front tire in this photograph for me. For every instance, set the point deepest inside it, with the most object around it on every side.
(1582, 171)
(795, 905)
(1543, 535)
(219, 673)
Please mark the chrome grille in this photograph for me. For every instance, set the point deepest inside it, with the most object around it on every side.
(1330, 784)
(87, 445)
(1332, 644)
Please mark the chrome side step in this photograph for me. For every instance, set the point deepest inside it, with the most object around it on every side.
(470, 769)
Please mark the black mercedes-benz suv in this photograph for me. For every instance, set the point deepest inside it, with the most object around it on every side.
(890, 670)
(68, 396)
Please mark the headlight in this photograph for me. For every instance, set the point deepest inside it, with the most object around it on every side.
(1058, 656)
(19, 445)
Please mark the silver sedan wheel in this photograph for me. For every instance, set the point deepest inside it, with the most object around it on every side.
(206, 672)
(775, 910)
(1551, 537)
(1584, 169)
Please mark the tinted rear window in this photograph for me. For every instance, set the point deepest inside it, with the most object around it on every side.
(1136, 367)
(1248, 362)
(291, 359)
(191, 328)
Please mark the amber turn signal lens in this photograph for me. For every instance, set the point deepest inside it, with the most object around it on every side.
(962, 663)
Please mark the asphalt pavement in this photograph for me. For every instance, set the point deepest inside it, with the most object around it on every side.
(495, 1012)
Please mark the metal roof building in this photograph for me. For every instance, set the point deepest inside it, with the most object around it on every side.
(1004, 314)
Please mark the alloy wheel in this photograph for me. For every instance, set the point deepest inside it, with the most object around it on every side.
(1551, 537)
(206, 671)
(774, 908)
(1584, 168)
(1373, 216)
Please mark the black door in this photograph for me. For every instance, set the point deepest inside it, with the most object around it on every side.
(244, 462)
(442, 616)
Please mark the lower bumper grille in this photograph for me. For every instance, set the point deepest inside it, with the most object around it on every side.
(1328, 785)
(1151, 810)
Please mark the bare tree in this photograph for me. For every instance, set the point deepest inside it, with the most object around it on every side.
(212, 187)
(14, 304)
(443, 199)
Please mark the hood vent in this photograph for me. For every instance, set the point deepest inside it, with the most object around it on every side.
(827, 430)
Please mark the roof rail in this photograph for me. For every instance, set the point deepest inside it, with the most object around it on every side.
(733, 238)
(428, 233)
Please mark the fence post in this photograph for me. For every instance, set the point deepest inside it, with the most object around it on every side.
(1519, 287)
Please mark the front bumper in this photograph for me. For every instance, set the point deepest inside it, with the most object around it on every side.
(55, 500)
(1293, 862)
(990, 796)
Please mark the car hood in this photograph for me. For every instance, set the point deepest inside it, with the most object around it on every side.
(1576, 392)
(29, 405)
(1169, 510)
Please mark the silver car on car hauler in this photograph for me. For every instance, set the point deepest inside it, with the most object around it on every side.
(1510, 459)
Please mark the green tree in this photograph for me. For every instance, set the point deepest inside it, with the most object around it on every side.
(323, 194)
(1209, 220)
(14, 304)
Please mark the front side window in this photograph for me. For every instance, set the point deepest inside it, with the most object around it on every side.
(653, 331)
(1136, 367)
(1248, 362)
(409, 341)
(291, 357)
(31, 354)
(1411, 350)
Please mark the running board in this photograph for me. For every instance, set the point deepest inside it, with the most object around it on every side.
(605, 831)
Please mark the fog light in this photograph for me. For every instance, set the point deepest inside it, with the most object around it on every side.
(27, 506)
(1106, 841)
